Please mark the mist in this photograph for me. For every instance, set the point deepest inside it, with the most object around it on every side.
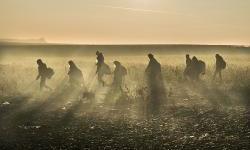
(97, 108)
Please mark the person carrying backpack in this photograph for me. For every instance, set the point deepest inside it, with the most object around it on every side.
(220, 65)
(102, 68)
(197, 68)
(44, 73)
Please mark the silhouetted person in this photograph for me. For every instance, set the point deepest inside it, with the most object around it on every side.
(197, 68)
(119, 73)
(100, 60)
(188, 60)
(43, 74)
(155, 85)
(220, 65)
(188, 64)
(75, 75)
(102, 68)
(194, 75)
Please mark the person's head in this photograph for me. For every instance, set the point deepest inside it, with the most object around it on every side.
(39, 61)
(150, 56)
(71, 63)
(187, 55)
(97, 53)
(194, 59)
(117, 63)
(217, 55)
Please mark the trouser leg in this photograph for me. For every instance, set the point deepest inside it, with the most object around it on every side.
(42, 83)
(215, 73)
(220, 75)
(100, 79)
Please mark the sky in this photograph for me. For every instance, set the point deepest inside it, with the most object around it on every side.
(127, 21)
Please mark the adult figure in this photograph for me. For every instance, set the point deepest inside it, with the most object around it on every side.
(188, 68)
(219, 66)
(43, 74)
(75, 75)
(155, 86)
(194, 75)
(102, 68)
(197, 68)
(100, 60)
(119, 74)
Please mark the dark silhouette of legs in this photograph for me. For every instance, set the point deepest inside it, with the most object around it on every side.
(220, 75)
(100, 79)
(43, 84)
(215, 74)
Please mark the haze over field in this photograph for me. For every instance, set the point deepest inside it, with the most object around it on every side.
(195, 114)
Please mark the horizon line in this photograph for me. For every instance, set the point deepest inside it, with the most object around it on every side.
(9, 41)
(116, 44)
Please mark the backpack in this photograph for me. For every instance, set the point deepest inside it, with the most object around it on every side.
(106, 69)
(202, 67)
(223, 64)
(49, 73)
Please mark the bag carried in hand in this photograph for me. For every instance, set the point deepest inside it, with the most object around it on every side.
(223, 64)
(202, 67)
(49, 73)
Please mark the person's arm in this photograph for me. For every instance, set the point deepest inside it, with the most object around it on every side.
(39, 74)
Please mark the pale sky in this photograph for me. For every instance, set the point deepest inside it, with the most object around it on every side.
(127, 21)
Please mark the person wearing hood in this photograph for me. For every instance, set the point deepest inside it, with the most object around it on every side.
(75, 74)
(119, 74)
(219, 66)
(156, 87)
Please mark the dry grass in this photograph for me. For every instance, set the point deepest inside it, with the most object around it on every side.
(205, 114)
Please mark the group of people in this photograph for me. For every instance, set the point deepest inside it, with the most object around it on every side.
(195, 68)
(103, 69)
(75, 74)
(154, 80)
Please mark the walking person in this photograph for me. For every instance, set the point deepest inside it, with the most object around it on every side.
(75, 75)
(219, 66)
(155, 86)
(44, 73)
(102, 67)
(119, 74)
(187, 70)
(197, 68)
